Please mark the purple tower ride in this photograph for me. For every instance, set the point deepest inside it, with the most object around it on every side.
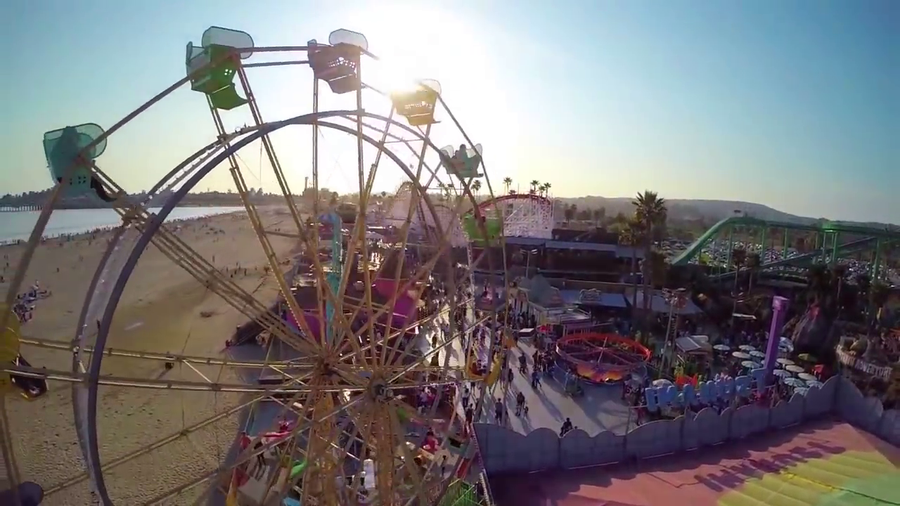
(779, 310)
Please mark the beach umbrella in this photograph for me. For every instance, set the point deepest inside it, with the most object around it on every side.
(794, 382)
(815, 383)
(757, 354)
(807, 377)
(746, 347)
(785, 344)
(749, 364)
(741, 355)
(796, 369)
(722, 347)
(781, 373)
(785, 361)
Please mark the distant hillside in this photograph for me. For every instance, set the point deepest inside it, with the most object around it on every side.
(698, 210)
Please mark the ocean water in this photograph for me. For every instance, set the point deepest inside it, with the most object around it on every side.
(17, 226)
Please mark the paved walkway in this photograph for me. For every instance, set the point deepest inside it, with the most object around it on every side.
(600, 409)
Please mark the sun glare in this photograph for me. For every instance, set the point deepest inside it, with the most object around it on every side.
(410, 46)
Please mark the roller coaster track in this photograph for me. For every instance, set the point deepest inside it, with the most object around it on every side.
(806, 258)
(871, 233)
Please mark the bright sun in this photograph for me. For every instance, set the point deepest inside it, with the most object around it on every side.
(415, 43)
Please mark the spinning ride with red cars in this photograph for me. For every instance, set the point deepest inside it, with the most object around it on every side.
(602, 358)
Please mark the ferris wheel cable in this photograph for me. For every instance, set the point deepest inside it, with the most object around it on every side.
(271, 257)
(486, 178)
(365, 186)
(164, 357)
(154, 225)
(251, 209)
(398, 333)
(202, 274)
(274, 64)
(249, 455)
(406, 226)
(154, 384)
(144, 450)
(430, 353)
(453, 287)
(429, 265)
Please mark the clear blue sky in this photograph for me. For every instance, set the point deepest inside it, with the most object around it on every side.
(793, 104)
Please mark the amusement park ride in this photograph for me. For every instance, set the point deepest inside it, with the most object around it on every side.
(832, 241)
(352, 381)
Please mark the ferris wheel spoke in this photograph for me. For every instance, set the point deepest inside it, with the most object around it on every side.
(419, 361)
(271, 257)
(441, 251)
(249, 455)
(200, 269)
(421, 273)
(160, 384)
(365, 193)
(361, 416)
(144, 450)
(318, 479)
(168, 357)
(407, 224)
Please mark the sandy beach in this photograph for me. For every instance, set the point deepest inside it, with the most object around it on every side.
(159, 311)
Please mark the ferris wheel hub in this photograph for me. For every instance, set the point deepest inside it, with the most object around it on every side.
(378, 390)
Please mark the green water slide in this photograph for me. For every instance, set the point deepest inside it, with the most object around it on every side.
(212, 67)
(748, 221)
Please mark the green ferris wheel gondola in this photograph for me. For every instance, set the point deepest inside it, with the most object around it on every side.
(493, 229)
(463, 163)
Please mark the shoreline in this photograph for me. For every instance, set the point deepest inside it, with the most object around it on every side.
(87, 229)
(162, 309)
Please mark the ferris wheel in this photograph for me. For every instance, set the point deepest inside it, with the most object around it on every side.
(336, 386)
(424, 223)
(517, 215)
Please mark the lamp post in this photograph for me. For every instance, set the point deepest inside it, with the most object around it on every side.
(676, 299)
(528, 261)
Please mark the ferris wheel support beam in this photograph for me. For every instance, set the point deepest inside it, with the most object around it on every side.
(251, 209)
(154, 225)
(164, 357)
(249, 455)
(405, 232)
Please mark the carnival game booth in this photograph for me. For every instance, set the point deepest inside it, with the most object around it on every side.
(553, 314)
(875, 372)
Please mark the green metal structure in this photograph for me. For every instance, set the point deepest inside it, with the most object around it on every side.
(828, 244)
(460, 493)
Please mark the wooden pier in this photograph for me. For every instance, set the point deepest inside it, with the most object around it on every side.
(19, 209)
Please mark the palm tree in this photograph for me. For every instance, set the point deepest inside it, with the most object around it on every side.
(650, 211)
(659, 268)
(630, 235)
(476, 186)
(546, 187)
(507, 182)
(569, 212)
(534, 185)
